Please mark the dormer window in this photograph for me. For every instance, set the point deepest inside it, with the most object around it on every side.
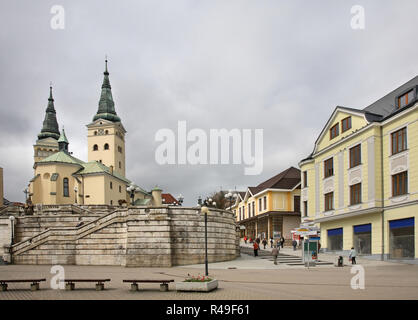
(333, 132)
(405, 99)
(345, 124)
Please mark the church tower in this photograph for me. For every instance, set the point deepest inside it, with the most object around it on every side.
(47, 143)
(106, 134)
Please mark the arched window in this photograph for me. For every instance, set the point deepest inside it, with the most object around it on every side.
(95, 133)
(106, 131)
(66, 188)
(106, 146)
(95, 147)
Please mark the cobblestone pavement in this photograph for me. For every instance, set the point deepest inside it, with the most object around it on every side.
(386, 281)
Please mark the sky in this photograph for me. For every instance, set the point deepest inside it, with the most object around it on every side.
(280, 66)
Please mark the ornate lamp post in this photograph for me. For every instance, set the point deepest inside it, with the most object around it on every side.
(180, 198)
(205, 210)
(12, 225)
(230, 196)
(132, 189)
(75, 192)
(26, 192)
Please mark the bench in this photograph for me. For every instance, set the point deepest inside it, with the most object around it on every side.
(163, 283)
(33, 287)
(70, 283)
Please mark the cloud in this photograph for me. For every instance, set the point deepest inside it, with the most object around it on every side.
(278, 66)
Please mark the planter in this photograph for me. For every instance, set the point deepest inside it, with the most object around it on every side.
(197, 286)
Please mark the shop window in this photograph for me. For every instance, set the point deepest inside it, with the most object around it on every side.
(402, 239)
(335, 239)
(362, 239)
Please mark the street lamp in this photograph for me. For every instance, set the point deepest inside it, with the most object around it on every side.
(230, 196)
(180, 199)
(75, 191)
(205, 210)
(26, 192)
(132, 189)
(12, 225)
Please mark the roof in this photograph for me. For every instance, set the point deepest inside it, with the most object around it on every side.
(106, 105)
(98, 167)
(63, 137)
(288, 179)
(385, 106)
(86, 167)
(62, 157)
(169, 199)
(50, 124)
(142, 202)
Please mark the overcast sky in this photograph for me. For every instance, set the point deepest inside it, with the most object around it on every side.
(280, 66)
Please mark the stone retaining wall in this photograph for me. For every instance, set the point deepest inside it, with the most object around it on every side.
(134, 236)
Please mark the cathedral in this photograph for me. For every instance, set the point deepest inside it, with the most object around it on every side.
(61, 178)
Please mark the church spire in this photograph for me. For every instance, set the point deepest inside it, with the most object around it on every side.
(50, 124)
(106, 105)
(63, 142)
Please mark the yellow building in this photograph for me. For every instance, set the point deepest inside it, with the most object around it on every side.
(60, 178)
(360, 184)
(271, 209)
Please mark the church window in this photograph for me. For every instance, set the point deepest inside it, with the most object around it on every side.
(95, 147)
(66, 187)
(107, 132)
(111, 185)
(95, 133)
(120, 189)
(120, 165)
(106, 146)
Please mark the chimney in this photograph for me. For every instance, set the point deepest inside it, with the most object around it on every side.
(156, 197)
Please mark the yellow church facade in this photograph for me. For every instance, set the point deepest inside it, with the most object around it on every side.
(360, 184)
(61, 178)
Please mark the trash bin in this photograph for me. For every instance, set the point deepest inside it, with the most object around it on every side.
(340, 261)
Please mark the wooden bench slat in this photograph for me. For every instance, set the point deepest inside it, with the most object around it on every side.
(22, 280)
(149, 281)
(85, 280)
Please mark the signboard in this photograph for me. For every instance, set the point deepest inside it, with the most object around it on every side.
(242, 227)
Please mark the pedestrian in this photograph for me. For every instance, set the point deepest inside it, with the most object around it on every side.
(275, 253)
(256, 247)
(251, 240)
(258, 241)
(281, 241)
(294, 244)
(271, 242)
(245, 239)
(352, 256)
(264, 243)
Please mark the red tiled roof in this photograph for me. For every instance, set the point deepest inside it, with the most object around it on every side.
(168, 199)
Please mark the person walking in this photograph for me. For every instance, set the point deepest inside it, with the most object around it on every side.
(275, 253)
(256, 247)
(294, 244)
(353, 255)
(264, 243)
(281, 241)
(271, 242)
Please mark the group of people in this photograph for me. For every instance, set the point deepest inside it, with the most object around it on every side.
(256, 243)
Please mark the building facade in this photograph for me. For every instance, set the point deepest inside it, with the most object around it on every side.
(360, 183)
(271, 209)
(61, 178)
